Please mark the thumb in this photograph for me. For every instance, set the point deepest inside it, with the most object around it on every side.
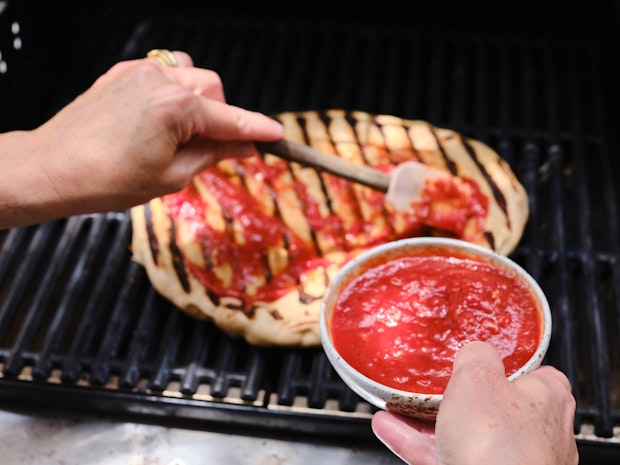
(476, 366)
(477, 373)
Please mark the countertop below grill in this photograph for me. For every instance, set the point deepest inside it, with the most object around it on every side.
(28, 438)
(46, 440)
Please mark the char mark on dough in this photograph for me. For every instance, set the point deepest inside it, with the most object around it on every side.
(329, 202)
(350, 118)
(353, 193)
(384, 210)
(229, 228)
(306, 298)
(228, 222)
(301, 121)
(304, 207)
(247, 309)
(153, 244)
(497, 193)
(286, 240)
(324, 117)
(490, 239)
(177, 259)
(215, 299)
(240, 172)
(277, 214)
(276, 315)
(267, 273)
(452, 166)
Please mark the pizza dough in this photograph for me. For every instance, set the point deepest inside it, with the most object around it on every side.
(253, 243)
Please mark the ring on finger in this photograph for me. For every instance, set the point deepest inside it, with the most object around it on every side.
(164, 56)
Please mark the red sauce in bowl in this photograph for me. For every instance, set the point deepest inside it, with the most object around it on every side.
(400, 323)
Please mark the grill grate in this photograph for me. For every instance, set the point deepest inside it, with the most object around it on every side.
(78, 319)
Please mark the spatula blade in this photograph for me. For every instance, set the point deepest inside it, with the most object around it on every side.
(407, 183)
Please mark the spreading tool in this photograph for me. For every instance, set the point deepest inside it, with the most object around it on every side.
(403, 185)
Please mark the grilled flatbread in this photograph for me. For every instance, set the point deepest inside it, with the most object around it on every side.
(253, 243)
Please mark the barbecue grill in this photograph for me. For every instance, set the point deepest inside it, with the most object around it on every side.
(81, 328)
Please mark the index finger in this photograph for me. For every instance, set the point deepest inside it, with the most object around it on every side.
(550, 377)
(223, 122)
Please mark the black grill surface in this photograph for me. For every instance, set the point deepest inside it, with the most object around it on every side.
(81, 328)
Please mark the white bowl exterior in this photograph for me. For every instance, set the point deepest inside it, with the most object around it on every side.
(417, 404)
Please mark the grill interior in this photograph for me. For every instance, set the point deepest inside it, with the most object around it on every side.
(81, 329)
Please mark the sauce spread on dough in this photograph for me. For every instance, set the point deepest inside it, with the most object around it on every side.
(453, 204)
(401, 323)
(236, 255)
(247, 245)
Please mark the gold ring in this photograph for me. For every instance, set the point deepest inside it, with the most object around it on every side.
(165, 57)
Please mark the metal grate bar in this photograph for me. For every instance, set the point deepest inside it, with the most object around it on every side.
(558, 205)
(141, 339)
(198, 351)
(167, 353)
(109, 344)
(252, 378)
(598, 334)
(49, 282)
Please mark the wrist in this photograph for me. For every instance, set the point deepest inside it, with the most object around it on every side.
(27, 192)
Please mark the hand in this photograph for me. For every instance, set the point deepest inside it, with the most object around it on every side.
(484, 418)
(140, 131)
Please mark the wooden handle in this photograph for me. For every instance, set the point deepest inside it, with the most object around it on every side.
(333, 164)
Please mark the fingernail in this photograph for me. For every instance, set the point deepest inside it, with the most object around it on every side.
(278, 127)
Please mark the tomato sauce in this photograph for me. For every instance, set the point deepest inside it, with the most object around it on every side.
(454, 205)
(401, 323)
(261, 231)
(251, 231)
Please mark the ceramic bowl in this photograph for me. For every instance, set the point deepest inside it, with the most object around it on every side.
(417, 404)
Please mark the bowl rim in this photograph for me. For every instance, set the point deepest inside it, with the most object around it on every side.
(345, 275)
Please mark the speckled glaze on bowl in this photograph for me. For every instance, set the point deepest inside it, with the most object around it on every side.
(413, 404)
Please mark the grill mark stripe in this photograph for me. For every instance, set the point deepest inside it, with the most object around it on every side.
(497, 193)
(213, 296)
(452, 166)
(490, 238)
(414, 151)
(303, 297)
(330, 206)
(315, 243)
(250, 310)
(277, 213)
(357, 208)
(267, 272)
(383, 208)
(205, 255)
(153, 243)
(228, 221)
(177, 258)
